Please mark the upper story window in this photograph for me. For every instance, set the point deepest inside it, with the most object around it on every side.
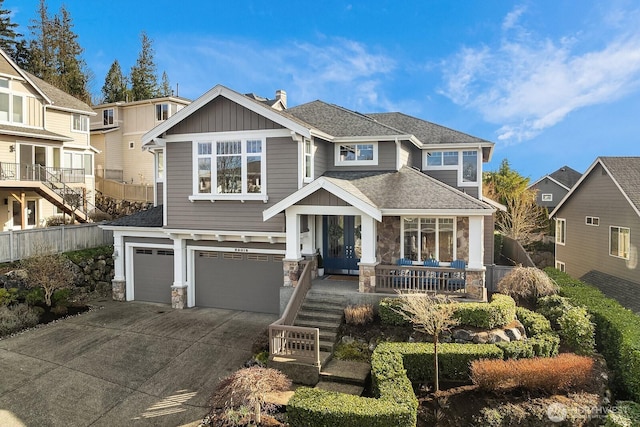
(232, 168)
(442, 158)
(11, 105)
(428, 238)
(162, 112)
(619, 241)
(547, 197)
(308, 160)
(80, 123)
(592, 220)
(561, 231)
(470, 166)
(466, 163)
(107, 116)
(356, 154)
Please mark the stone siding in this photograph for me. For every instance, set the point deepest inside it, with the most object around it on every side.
(388, 250)
(462, 238)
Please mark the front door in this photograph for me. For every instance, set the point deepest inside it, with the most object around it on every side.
(341, 242)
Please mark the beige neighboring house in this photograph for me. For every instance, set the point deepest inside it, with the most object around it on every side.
(116, 131)
(46, 159)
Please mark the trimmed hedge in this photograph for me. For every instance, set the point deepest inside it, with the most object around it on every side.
(387, 313)
(617, 331)
(499, 312)
(541, 345)
(534, 323)
(393, 367)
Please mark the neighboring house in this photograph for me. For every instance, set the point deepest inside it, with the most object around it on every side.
(553, 187)
(46, 160)
(598, 222)
(250, 191)
(116, 131)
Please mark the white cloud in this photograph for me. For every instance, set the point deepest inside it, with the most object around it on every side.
(528, 84)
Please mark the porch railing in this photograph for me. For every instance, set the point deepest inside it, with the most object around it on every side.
(296, 343)
(413, 278)
(26, 172)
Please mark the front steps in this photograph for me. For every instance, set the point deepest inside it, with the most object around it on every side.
(325, 312)
(344, 376)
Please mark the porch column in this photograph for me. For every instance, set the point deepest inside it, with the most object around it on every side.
(292, 257)
(309, 240)
(119, 281)
(368, 261)
(179, 287)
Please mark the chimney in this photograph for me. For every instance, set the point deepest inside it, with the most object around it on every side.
(281, 95)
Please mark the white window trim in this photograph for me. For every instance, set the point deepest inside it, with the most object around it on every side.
(437, 218)
(157, 164)
(84, 119)
(561, 266)
(8, 90)
(461, 182)
(611, 227)
(441, 166)
(243, 137)
(457, 167)
(546, 197)
(595, 221)
(307, 179)
(558, 222)
(155, 112)
(338, 162)
(113, 116)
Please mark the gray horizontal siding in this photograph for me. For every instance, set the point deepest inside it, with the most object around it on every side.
(546, 186)
(587, 247)
(159, 193)
(321, 157)
(386, 159)
(449, 177)
(222, 115)
(413, 155)
(282, 180)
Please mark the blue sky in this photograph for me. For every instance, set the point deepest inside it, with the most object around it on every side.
(552, 83)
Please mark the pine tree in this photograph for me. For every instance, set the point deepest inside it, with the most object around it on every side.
(71, 76)
(165, 86)
(144, 82)
(115, 84)
(8, 35)
(41, 51)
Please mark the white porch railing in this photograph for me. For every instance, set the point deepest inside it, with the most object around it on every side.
(413, 278)
(296, 343)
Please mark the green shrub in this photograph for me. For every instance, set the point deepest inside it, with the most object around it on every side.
(553, 307)
(34, 296)
(541, 345)
(388, 312)
(501, 311)
(62, 297)
(8, 296)
(577, 331)
(16, 318)
(534, 323)
(625, 414)
(357, 351)
(617, 332)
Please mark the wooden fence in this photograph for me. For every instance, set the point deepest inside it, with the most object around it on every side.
(121, 191)
(19, 244)
(513, 250)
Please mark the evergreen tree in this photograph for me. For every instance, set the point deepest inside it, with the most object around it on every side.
(8, 35)
(22, 55)
(165, 86)
(41, 51)
(144, 82)
(70, 75)
(115, 84)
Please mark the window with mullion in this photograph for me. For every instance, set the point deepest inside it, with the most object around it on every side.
(229, 167)
(428, 238)
(619, 242)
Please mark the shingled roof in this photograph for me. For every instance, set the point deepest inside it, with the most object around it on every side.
(626, 172)
(151, 217)
(60, 98)
(427, 132)
(566, 176)
(406, 189)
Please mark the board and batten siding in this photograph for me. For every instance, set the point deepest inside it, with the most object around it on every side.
(386, 159)
(282, 180)
(322, 198)
(587, 246)
(222, 115)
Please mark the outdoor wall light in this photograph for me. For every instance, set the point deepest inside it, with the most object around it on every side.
(12, 148)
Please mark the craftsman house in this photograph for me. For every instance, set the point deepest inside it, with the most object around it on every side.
(46, 160)
(252, 190)
(598, 224)
(552, 188)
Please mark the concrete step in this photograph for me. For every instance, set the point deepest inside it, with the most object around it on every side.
(320, 316)
(327, 346)
(326, 298)
(344, 371)
(355, 390)
(328, 336)
(323, 326)
(322, 306)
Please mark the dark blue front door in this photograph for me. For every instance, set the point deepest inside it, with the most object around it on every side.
(341, 244)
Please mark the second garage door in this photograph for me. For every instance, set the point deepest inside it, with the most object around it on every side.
(152, 274)
(238, 281)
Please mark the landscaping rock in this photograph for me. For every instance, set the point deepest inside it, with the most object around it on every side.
(498, 335)
(463, 335)
(513, 334)
(347, 340)
(481, 338)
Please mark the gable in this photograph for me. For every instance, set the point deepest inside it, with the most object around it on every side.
(222, 115)
(6, 68)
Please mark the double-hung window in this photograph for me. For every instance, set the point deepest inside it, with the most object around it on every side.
(561, 231)
(308, 160)
(428, 238)
(11, 105)
(80, 123)
(107, 116)
(619, 241)
(162, 112)
(231, 168)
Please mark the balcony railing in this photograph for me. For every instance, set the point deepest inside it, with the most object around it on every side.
(414, 278)
(26, 172)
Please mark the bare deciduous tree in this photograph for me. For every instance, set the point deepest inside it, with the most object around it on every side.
(49, 271)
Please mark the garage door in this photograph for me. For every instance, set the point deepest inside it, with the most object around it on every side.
(152, 274)
(238, 281)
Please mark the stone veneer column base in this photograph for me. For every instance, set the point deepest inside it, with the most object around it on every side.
(367, 279)
(476, 288)
(178, 297)
(119, 290)
(291, 271)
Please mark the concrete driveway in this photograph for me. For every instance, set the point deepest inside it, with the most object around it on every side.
(126, 364)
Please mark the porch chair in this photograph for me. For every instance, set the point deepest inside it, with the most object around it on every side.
(457, 278)
(430, 279)
(402, 277)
